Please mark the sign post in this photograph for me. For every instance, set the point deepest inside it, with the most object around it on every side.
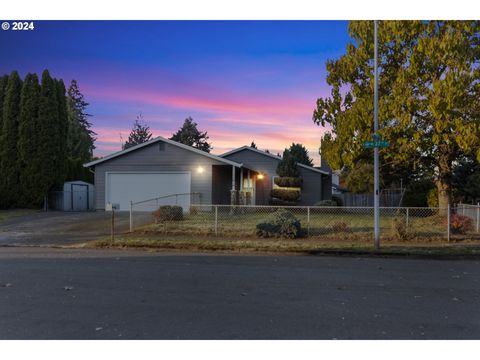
(376, 198)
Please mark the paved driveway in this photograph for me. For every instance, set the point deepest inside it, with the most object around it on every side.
(59, 227)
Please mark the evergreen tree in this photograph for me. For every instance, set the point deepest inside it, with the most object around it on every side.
(9, 165)
(300, 154)
(47, 135)
(61, 129)
(189, 135)
(140, 133)
(288, 166)
(3, 88)
(80, 138)
(27, 142)
(253, 145)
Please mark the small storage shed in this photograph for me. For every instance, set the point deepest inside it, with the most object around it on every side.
(78, 196)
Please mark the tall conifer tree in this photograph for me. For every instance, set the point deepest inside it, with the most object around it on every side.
(30, 159)
(80, 137)
(47, 134)
(9, 187)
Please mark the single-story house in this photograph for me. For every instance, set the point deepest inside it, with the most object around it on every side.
(171, 170)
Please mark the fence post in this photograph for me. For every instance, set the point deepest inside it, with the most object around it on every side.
(407, 222)
(113, 226)
(463, 209)
(216, 220)
(308, 220)
(448, 222)
(131, 216)
(478, 216)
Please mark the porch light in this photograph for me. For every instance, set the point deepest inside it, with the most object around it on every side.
(260, 176)
(200, 169)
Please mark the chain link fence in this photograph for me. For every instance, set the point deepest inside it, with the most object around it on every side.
(354, 223)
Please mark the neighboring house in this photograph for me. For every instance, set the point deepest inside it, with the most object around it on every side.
(162, 167)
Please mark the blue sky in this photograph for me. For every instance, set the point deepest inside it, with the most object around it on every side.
(240, 80)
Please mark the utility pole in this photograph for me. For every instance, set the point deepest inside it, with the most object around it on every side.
(376, 202)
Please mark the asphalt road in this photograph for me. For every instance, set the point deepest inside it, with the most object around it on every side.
(88, 294)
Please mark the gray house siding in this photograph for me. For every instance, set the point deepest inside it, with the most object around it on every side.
(261, 163)
(152, 158)
(311, 188)
(315, 185)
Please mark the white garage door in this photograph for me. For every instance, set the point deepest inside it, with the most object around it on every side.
(121, 188)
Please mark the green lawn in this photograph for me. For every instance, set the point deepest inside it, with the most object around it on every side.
(322, 224)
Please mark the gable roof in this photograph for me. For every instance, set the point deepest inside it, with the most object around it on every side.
(168, 141)
(246, 147)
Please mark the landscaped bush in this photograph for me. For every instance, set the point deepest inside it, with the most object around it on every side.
(168, 213)
(286, 194)
(400, 230)
(460, 224)
(286, 181)
(338, 200)
(282, 223)
(340, 227)
(326, 203)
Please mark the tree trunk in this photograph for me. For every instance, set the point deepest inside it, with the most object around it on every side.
(443, 188)
(444, 177)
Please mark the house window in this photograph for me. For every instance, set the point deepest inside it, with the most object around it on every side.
(161, 146)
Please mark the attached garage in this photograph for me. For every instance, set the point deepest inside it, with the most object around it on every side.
(123, 187)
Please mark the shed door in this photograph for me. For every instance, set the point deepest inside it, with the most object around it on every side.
(121, 188)
(79, 197)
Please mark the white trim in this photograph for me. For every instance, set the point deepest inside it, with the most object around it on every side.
(272, 156)
(140, 172)
(168, 141)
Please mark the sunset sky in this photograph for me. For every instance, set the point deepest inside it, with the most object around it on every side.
(240, 81)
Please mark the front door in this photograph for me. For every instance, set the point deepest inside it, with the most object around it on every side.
(249, 186)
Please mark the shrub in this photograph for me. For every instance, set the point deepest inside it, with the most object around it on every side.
(340, 227)
(399, 227)
(279, 202)
(326, 203)
(168, 213)
(281, 223)
(338, 200)
(286, 194)
(287, 167)
(288, 181)
(460, 224)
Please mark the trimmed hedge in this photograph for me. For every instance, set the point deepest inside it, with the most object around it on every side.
(288, 181)
(279, 202)
(168, 213)
(281, 223)
(326, 203)
(286, 194)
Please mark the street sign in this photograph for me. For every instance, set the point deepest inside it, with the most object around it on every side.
(376, 144)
